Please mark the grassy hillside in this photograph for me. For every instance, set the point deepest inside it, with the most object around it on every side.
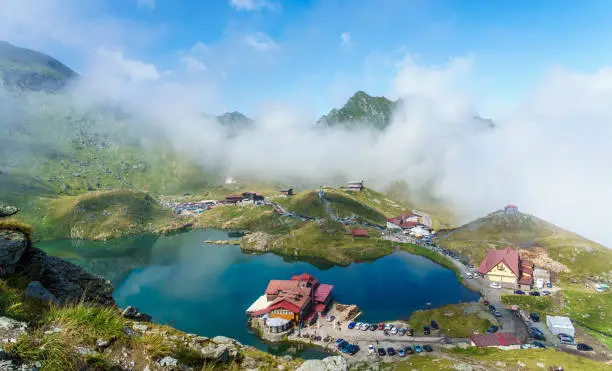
(328, 240)
(455, 321)
(99, 215)
(247, 217)
(545, 243)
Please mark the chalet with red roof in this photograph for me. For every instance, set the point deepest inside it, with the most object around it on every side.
(506, 266)
(360, 233)
(299, 299)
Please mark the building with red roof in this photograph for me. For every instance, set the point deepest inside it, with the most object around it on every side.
(359, 233)
(501, 340)
(299, 299)
(506, 266)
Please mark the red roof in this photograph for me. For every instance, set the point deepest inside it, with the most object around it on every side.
(322, 292)
(508, 256)
(320, 308)
(305, 277)
(525, 280)
(277, 286)
(496, 339)
(402, 222)
(282, 304)
(359, 233)
(233, 196)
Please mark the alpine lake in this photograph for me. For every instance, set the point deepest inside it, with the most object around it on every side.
(205, 289)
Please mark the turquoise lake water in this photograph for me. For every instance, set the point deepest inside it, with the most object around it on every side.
(205, 289)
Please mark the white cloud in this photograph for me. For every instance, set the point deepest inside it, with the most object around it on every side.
(149, 4)
(193, 64)
(260, 41)
(345, 38)
(250, 5)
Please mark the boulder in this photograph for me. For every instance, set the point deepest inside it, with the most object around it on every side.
(6, 210)
(32, 264)
(225, 340)
(35, 290)
(11, 329)
(335, 363)
(168, 362)
(216, 353)
(12, 246)
(71, 283)
(131, 312)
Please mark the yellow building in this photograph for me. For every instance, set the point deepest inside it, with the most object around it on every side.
(501, 266)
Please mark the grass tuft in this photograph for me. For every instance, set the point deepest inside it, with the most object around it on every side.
(17, 225)
(87, 322)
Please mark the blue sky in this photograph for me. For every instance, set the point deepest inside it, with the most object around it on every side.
(297, 53)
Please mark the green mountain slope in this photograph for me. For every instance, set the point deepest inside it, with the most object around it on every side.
(546, 244)
(25, 69)
(361, 110)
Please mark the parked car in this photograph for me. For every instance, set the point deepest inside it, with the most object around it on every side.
(358, 325)
(519, 292)
(495, 285)
(537, 344)
(485, 302)
(427, 348)
(584, 347)
(401, 352)
(381, 352)
(373, 327)
(401, 331)
(549, 285)
(534, 317)
(330, 318)
(492, 308)
(537, 335)
(365, 327)
(371, 349)
(351, 325)
(566, 339)
(339, 341)
(534, 293)
(353, 349)
(469, 275)
(390, 351)
(393, 331)
(417, 348)
(388, 326)
(492, 329)
(545, 292)
(410, 332)
(381, 326)
(409, 350)
(434, 325)
(342, 344)
(426, 330)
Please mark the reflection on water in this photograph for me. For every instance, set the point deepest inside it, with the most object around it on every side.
(205, 289)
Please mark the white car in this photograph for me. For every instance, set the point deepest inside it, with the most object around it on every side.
(371, 349)
(394, 331)
(358, 325)
(495, 285)
(469, 275)
(365, 327)
(388, 326)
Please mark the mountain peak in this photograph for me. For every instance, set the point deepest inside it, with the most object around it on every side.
(361, 109)
(25, 69)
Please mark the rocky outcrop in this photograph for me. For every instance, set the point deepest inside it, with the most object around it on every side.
(131, 312)
(13, 245)
(6, 210)
(54, 279)
(35, 290)
(335, 363)
(258, 242)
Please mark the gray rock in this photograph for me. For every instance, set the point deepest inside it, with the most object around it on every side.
(6, 210)
(102, 344)
(54, 330)
(335, 363)
(7, 365)
(225, 340)
(4, 355)
(168, 362)
(216, 353)
(201, 339)
(35, 290)
(462, 367)
(129, 332)
(141, 328)
(32, 264)
(85, 351)
(71, 283)
(142, 317)
(129, 312)
(11, 329)
(12, 246)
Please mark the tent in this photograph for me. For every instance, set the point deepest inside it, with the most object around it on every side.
(560, 325)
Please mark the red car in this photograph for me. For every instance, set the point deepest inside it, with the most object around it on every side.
(486, 302)
(381, 326)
